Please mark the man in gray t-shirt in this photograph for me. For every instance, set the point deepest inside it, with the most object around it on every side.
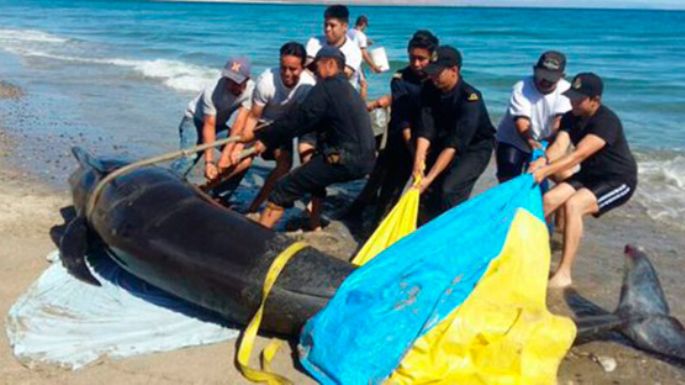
(209, 112)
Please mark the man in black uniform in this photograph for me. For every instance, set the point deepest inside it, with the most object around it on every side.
(608, 172)
(394, 165)
(455, 137)
(336, 112)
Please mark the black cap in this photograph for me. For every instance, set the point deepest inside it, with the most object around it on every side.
(550, 66)
(585, 85)
(443, 57)
(330, 52)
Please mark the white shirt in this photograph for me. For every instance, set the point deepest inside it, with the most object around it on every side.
(527, 101)
(358, 37)
(353, 55)
(216, 100)
(275, 97)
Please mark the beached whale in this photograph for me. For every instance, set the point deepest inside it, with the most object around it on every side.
(168, 233)
(171, 235)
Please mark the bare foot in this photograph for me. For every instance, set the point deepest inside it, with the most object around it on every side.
(559, 281)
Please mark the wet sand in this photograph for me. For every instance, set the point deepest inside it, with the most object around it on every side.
(30, 206)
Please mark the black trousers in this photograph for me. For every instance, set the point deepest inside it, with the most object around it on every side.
(398, 167)
(312, 178)
(455, 184)
(511, 161)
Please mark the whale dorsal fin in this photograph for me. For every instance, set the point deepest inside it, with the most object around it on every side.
(88, 161)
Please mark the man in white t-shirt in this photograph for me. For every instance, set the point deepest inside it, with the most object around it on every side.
(277, 90)
(358, 36)
(533, 115)
(336, 18)
(209, 112)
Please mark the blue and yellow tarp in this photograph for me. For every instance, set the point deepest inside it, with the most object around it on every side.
(459, 301)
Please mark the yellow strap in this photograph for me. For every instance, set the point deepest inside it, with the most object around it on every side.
(247, 342)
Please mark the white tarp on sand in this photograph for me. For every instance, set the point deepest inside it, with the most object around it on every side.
(63, 321)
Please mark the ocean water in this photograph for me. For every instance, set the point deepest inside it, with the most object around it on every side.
(115, 76)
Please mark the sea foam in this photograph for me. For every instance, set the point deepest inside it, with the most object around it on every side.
(661, 188)
(13, 36)
(174, 74)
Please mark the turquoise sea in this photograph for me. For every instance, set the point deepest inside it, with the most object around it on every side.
(115, 76)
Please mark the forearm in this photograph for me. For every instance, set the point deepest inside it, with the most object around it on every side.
(422, 145)
(368, 59)
(555, 151)
(524, 131)
(209, 136)
(444, 159)
(563, 163)
(523, 128)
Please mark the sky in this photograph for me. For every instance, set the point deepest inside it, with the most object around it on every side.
(640, 4)
(653, 4)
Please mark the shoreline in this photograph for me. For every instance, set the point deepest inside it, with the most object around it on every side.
(31, 208)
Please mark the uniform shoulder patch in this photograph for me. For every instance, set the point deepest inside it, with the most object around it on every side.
(473, 97)
(397, 75)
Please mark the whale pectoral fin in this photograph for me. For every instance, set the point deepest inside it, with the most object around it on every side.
(73, 247)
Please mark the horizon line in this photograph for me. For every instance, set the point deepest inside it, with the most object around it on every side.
(443, 4)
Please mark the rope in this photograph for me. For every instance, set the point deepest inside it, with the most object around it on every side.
(95, 195)
(222, 175)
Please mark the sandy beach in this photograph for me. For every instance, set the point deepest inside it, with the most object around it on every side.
(31, 209)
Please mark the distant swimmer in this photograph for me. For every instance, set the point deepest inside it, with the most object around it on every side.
(394, 165)
(345, 144)
(455, 137)
(358, 35)
(533, 115)
(209, 113)
(276, 91)
(608, 172)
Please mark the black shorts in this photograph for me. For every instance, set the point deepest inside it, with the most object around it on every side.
(610, 193)
(511, 161)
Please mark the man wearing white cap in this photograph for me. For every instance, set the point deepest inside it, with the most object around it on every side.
(208, 114)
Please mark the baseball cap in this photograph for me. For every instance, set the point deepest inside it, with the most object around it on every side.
(237, 69)
(330, 52)
(550, 66)
(444, 56)
(585, 85)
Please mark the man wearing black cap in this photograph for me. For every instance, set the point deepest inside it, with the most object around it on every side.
(394, 165)
(346, 148)
(608, 172)
(533, 114)
(455, 127)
